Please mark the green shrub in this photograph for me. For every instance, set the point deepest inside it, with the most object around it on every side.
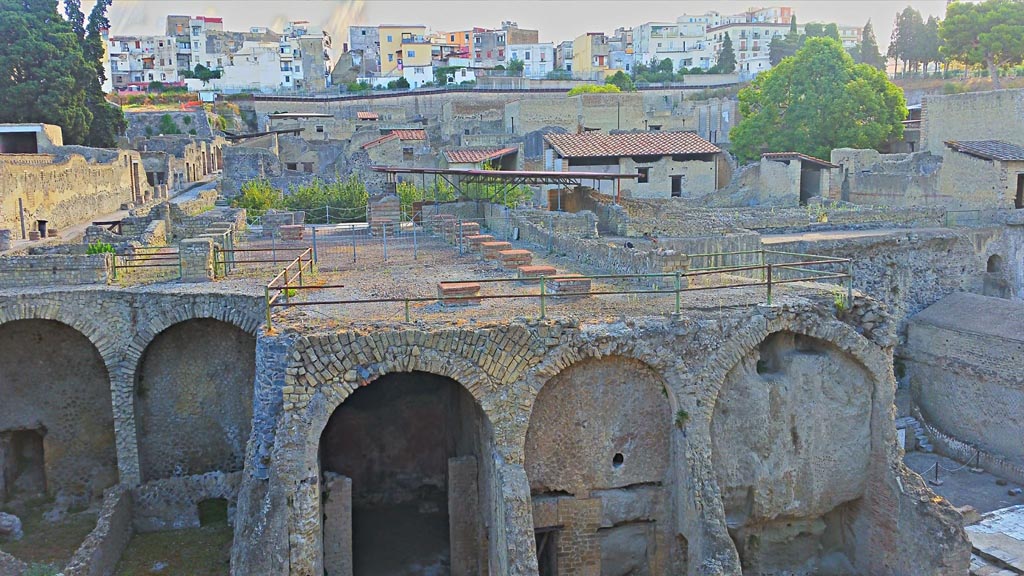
(100, 247)
(594, 89)
(168, 126)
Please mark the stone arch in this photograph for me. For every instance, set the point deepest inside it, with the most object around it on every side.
(192, 399)
(72, 316)
(787, 501)
(994, 265)
(56, 412)
(599, 453)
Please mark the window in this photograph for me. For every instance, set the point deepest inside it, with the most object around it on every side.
(391, 57)
(320, 129)
(287, 79)
(363, 32)
(410, 53)
(527, 54)
(406, 153)
(298, 68)
(389, 38)
(644, 174)
(418, 70)
(291, 166)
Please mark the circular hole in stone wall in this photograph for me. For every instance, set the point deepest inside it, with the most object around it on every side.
(617, 460)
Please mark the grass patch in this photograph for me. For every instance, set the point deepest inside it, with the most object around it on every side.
(47, 545)
(193, 552)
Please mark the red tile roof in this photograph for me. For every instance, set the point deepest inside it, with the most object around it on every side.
(367, 116)
(798, 156)
(411, 134)
(989, 149)
(465, 156)
(597, 144)
(380, 140)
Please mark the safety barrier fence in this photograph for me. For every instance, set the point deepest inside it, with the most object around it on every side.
(153, 259)
(776, 268)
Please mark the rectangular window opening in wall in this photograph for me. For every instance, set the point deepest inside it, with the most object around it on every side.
(677, 186)
(291, 166)
(319, 129)
(307, 167)
(407, 154)
(644, 175)
(1019, 200)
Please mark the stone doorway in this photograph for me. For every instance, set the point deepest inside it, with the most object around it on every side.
(1018, 202)
(400, 465)
(22, 464)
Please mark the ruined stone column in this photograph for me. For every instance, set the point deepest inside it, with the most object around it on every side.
(196, 260)
(463, 516)
(122, 391)
(337, 512)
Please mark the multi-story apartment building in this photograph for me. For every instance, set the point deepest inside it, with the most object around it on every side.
(366, 40)
(306, 53)
(489, 48)
(750, 43)
(590, 56)
(402, 46)
(463, 39)
(563, 56)
(851, 36)
(139, 60)
(519, 36)
(538, 59)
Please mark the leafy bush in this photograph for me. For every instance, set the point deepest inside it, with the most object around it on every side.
(408, 193)
(168, 126)
(357, 86)
(622, 81)
(187, 120)
(401, 83)
(594, 89)
(100, 247)
(257, 197)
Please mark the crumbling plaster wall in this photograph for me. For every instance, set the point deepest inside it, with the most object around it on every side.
(303, 376)
(991, 115)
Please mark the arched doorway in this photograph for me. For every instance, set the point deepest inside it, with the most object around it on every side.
(56, 419)
(405, 464)
(193, 399)
(598, 454)
(791, 444)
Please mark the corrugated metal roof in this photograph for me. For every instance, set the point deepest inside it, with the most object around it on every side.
(593, 144)
(468, 156)
(989, 149)
(798, 156)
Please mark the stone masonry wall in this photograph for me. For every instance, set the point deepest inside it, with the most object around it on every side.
(992, 115)
(54, 270)
(504, 367)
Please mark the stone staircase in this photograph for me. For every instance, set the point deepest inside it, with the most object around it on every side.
(911, 424)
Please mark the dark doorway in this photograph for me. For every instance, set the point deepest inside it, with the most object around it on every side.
(547, 551)
(23, 464)
(395, 439)
(677, 186)
(810, 184)
(1019, 200)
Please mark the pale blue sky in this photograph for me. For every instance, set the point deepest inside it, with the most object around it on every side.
(557, 20)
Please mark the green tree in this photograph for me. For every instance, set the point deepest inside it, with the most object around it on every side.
(928, 44)
(43, 75)
(168, 126)
(989, 34)
(205, 74)
(905, 44)
(785, 46)
(108, 121)
(727, 57)
(666, 66)
(815, 102)
(400, 83)
(622, 81)
(869, 52)
(516, 66)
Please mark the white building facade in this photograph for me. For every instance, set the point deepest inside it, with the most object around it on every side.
(538, 59)
(139, 60)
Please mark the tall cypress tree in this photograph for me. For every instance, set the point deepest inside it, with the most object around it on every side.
(108, 120)
(727, 58)
(869, 52)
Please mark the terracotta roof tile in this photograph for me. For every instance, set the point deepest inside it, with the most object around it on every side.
(467, 156)
(989, 150)
(380, 140)
(597, 144)
(411, 134)
(798, 156)
(367, 116)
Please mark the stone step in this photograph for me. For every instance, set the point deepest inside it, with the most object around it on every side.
(569, 283)
(492, 250)
(458, 293)
(513, 259)
(532, 274)
(475, 240)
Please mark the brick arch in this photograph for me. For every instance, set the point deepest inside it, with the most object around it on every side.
(831, 331)
(163, 317)
(96, 334)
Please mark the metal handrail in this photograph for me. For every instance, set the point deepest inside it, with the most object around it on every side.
(768, 279)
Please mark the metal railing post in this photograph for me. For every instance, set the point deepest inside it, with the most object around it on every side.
(543, 294)
(849, 283)
(415, 248)
(266, 300)
(314, 244)
(461, 252)
(407, 311)
(328, 208)
(353, 232)
(273, 248)
(678, 289)
(769, 284)
(384, 235)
